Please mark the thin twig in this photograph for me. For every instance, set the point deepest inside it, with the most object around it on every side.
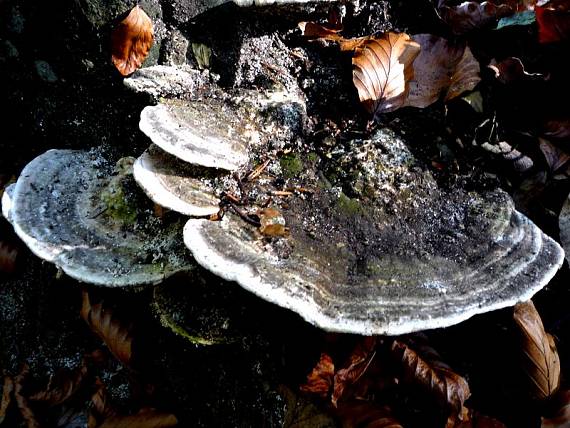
(244, 216)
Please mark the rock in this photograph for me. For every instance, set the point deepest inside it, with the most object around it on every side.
(564, 221)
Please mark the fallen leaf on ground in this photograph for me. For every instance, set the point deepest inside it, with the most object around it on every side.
(470, 15)
(145, 418)
(553, 21)
(382, 70)
(312, 30)
(562, 417)
(116, 336)
(437, 378)
(101, 407)
(512, 70)
(477, 420)
(320, 380)
(540, 357)
(557, 129)
(131, 41)
(364, 414)
(22, 402)
(7, 389)
(8, 256)
(555, 157)
(442, 69)
(62, 385)
(272, 222)
(357, 364)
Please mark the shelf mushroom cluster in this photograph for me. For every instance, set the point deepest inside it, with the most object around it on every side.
(399, 255)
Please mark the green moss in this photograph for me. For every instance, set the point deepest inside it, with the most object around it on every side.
(117, 204)
(312, 157)
(291, 165)
(349, 206)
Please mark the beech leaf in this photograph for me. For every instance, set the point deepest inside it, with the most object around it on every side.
(320, 380)
(145, 418)
(364, 414)
(8, 255)
(382, 70)
(512, 70)
(131, 41)
(358, 363)
(555, 157)
(540, 359)
(312, 30)
(442, 69)
(477, 420)
(428, 372)
(562, 417)
(63, 384)
(470, 15)
(553, 21)
(21, 401)
(7, 389)
(116, 336)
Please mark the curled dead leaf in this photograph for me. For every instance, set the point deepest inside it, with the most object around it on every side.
(358, 363)
(470, 15)
(7, 389)
(555, 157)
(116, 336)
(131, 41)
(437, 378)
(62, 385)
(382, 70)
(8, 255)
(557, 129)
(21, 401)
(272, 222)
(512, 70)
(364, 414)
(312, 30)
(442, 69)
(145, 418)
(320, 380)
(553, 21)
(477, 420)
(540, 357)
(562, 417)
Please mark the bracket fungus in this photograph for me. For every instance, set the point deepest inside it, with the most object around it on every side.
(70, 209)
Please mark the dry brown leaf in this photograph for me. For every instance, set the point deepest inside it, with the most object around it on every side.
(101, 407)
(62, 385)
(512, 70)
(272, 222)
(553, 21)
(540, 361)
(131, 41)
(364, 414)
(555, 157)
(558, 129)
(8, 256)
(21, 401)
(320, 380)
(470, 15)
(477, 420)
(145, 418)
(441, 69)
(382, 70)
(428, 372)
(6, 397)
(358, 363)
(116, 336)
(312, 30)
(562, 417)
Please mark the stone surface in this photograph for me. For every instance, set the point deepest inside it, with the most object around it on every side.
(70, 209)
(564, 222)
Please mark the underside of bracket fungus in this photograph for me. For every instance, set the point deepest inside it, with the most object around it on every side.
(74, 209)
(402, 257)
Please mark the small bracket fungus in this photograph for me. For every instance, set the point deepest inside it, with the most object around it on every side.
(175, 184)
(69, 209)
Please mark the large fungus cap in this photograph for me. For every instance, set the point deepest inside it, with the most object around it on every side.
(69, 209)
(166, 81)
(221, 132)
(175, 184)
(402, 256)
